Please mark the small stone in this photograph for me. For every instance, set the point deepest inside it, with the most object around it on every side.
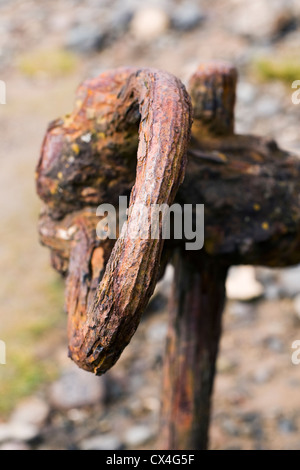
(157, 332)
(136, 407)
(250, 417)
(296, 305)
(230, 427)
(77, 416)
(31, 411)
(225, 365)
(18, 432)
(187, 17)
(12, 445)
(289, 281)
(85, 38)
(60, 22)
(270, 19)
(120, 22)
(138, 435)
(252, 425)
(105, 425)
(266, 275)
(164, 286)
(263, 375)
(242, 310)
(271, 292)
(23, 431)
(286, 425)
(76, 388)
(238, 396)
(266, 106)
(246, 93)
(101, 442)
(274, 344)
(242, 285)
(151, 404)
(5, 432)
(149, 23)
(268, 278)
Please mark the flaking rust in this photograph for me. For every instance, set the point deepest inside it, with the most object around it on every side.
(89, 158)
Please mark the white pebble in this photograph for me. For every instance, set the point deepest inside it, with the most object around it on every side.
(149, 23)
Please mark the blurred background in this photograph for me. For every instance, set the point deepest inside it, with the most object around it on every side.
(46, 49)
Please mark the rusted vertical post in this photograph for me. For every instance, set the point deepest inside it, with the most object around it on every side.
(213, 91)
(194, 331)
(197, 299)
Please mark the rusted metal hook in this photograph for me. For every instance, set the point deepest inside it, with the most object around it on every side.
(96, 140)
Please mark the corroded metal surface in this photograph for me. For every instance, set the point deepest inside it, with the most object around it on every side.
(249, 187)
(195, 316)
(88, 158)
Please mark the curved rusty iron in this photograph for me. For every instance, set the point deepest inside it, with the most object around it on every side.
(115, 285)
